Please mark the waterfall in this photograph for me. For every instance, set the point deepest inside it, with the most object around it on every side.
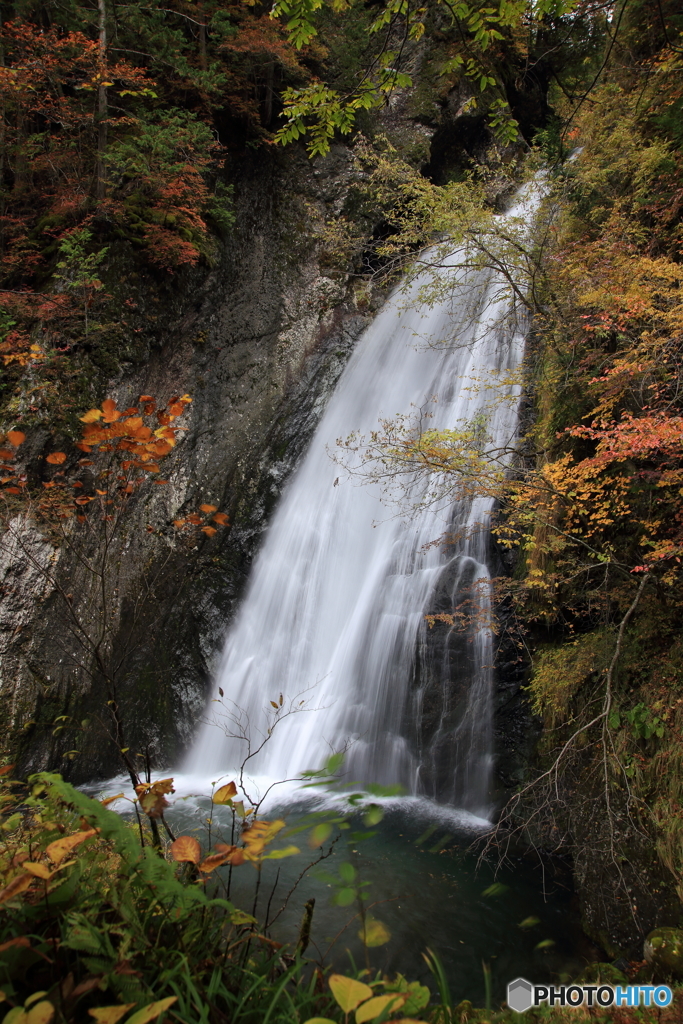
(334, 614)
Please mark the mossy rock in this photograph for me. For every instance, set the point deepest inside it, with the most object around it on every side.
(663, 948)
(604, 974)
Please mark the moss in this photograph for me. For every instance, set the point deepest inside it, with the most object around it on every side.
(560, 672)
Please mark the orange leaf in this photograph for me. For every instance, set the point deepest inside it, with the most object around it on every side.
(209, 531)
(91, 415)
(176, 409)
(111, 413)
(220, 518)
(154, 804)
(186, 848)
(147, 398)
(84, 447)
(230, 855)
(83, 501)
(178, 522)
(134, 423)
(12, 490)
(56, 458)
(111, 799)
(161, 481)
(61, 848)
(6, 453)
(16, 437)
(6, 769)
(20, 940)
(17, 885)
(132, 411)
(194, 519)
(209, 508)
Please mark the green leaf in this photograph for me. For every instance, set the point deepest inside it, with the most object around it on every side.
(497, 889)
(347, 872)
(373, 815)
(320, 834)
(344, 897)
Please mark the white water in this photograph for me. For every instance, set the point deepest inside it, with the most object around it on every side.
(334, 611)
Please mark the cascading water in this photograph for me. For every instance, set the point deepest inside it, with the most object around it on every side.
(334, 611)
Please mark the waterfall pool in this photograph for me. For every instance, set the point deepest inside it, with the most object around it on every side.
(420, 876)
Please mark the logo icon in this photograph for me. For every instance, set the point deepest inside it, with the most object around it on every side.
(520, 995)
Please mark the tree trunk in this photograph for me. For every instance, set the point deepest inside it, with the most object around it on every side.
(101, 187)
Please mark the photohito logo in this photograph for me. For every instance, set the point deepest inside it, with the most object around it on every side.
(522, 995)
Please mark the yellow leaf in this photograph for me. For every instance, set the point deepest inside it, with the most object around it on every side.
(261, 833)
(41, 1013)
(186, 848)
(39, 870)
(373, 1007)
(374, 933)
(225, 793)
(152, 1011)
(61, 848)
(110, 1014)
(348, 992)
(286, 851)
(91, 415)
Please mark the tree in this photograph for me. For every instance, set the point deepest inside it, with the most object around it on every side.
(83, 506)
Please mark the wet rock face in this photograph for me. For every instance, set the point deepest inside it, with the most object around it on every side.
(258, 342)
